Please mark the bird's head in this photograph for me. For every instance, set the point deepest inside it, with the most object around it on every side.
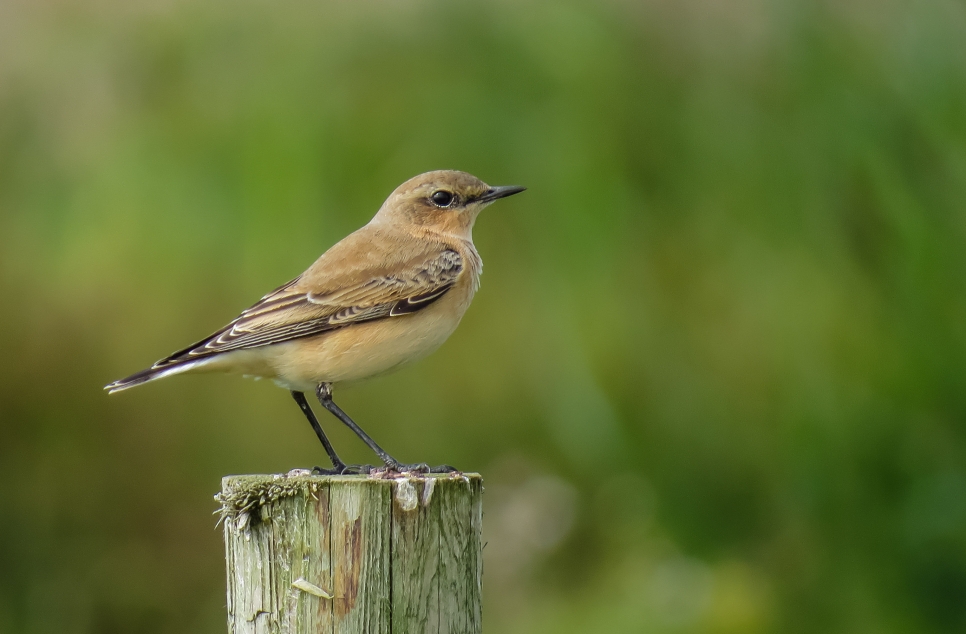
(444, 200)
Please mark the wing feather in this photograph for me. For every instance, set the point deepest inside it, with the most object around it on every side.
(292, 311)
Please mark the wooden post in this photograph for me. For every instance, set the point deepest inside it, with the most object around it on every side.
(353, 554)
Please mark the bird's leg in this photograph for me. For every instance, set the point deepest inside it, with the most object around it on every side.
(338, 467)
(324, 392)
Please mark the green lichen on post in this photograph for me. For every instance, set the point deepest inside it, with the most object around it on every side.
(352, 554)
(247, 494)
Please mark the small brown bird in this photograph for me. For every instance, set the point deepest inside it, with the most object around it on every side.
(387, 294)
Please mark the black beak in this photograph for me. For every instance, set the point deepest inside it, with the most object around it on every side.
(495, 193)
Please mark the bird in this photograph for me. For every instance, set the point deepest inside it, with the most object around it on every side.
(386, 295)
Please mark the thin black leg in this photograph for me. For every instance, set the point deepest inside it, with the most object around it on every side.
(338, 467)
(324, 392)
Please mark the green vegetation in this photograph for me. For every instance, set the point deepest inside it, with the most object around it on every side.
(714, 376)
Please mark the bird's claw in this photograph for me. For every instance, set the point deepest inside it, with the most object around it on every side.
(390, 469)
(344, 469)
(359, 469)
(419, 468)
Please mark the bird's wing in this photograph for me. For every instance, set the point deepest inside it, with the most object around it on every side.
(313, 303)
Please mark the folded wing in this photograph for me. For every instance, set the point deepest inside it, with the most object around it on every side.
(292, 311)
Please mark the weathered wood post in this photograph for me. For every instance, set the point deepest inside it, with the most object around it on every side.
(353, 554)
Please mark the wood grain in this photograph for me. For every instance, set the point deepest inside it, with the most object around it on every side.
(353, 554)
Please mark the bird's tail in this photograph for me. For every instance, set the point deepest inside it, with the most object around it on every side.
(156, 371)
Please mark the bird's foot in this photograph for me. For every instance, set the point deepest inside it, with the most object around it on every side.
(345, 469)
(387, 470)
(418, 467)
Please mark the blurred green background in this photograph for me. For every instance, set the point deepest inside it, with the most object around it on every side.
(714, 377)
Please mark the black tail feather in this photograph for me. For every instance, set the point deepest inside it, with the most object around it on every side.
(144, 376)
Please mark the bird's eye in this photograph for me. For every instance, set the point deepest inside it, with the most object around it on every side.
(442, 198)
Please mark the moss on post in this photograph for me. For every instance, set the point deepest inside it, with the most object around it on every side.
(353, 554)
